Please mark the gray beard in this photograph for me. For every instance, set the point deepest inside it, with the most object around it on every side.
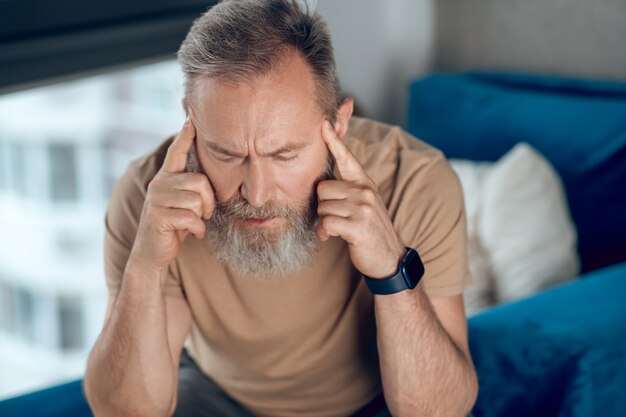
(262, 253)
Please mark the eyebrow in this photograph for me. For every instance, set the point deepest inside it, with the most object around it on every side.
(287, 148)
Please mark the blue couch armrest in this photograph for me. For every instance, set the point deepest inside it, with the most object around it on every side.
(559, 353)
(66, 400)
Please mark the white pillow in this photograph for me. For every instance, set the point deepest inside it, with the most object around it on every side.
(521, 238)
(480, 294)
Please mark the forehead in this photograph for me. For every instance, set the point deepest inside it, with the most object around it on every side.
(269, 110)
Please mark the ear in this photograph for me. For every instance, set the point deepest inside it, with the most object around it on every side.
(344, 112)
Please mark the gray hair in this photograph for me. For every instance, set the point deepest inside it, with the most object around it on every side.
(238, 40)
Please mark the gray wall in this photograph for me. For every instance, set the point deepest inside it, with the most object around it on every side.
(382, 44)
(379, 47)
(580, 38)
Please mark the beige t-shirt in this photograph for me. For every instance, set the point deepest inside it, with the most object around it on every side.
(305, 345)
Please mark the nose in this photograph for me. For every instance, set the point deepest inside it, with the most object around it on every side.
(256, 187)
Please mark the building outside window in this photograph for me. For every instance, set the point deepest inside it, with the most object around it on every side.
(3, 164)
(25, 314)
(62, 148)
(19, 175)
(6, 308)
(71, 322)
(63, 181)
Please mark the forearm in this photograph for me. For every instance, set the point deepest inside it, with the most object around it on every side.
(130, 370)
(424, 373)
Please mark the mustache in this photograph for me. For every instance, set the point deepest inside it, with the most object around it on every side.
(238, 207)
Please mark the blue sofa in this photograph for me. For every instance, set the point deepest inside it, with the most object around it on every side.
(561, 352)
(66, 400)
(579, 126)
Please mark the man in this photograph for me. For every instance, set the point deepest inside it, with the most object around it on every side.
(289, 298)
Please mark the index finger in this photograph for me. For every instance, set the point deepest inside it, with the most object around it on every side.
(349, 168)
(176, 158)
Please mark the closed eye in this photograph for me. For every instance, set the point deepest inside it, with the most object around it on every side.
(228, 159)
(285, 158)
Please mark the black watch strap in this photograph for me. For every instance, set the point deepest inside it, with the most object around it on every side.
(410, 272)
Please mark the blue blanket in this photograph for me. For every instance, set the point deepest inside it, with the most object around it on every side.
(560, 353)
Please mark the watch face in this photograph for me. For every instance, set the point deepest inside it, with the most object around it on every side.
(413, 268)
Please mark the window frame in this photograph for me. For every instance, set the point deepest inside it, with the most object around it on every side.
(43, 42)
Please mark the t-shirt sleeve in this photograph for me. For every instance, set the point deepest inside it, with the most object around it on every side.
(121, 223)
(430, 217)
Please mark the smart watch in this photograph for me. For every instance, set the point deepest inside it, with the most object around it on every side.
(410, 272)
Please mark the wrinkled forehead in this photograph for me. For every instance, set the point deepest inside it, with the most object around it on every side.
(274, 108)
(269, 112)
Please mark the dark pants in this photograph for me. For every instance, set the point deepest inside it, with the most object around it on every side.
(200, 396)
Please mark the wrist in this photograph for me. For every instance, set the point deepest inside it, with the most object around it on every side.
(408, 274)
(391, 265)
(146, 272)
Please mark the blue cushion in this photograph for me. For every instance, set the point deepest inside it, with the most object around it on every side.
(65, 400)
(579, 126)
(560, 353)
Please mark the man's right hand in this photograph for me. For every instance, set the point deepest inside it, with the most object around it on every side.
(176, 204)
(133, 369)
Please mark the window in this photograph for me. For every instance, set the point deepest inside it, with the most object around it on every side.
(25, 314)
(18, 171)
(73, 245)
(6, 308)
(2, 167)
(86, 133)
(61, 37)
(70, 323)
(63, 182)
(122, 114)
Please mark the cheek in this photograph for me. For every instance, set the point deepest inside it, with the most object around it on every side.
(225, 181)
(225, 186)
(297, 180)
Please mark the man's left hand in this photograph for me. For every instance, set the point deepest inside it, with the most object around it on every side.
(351, 208)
